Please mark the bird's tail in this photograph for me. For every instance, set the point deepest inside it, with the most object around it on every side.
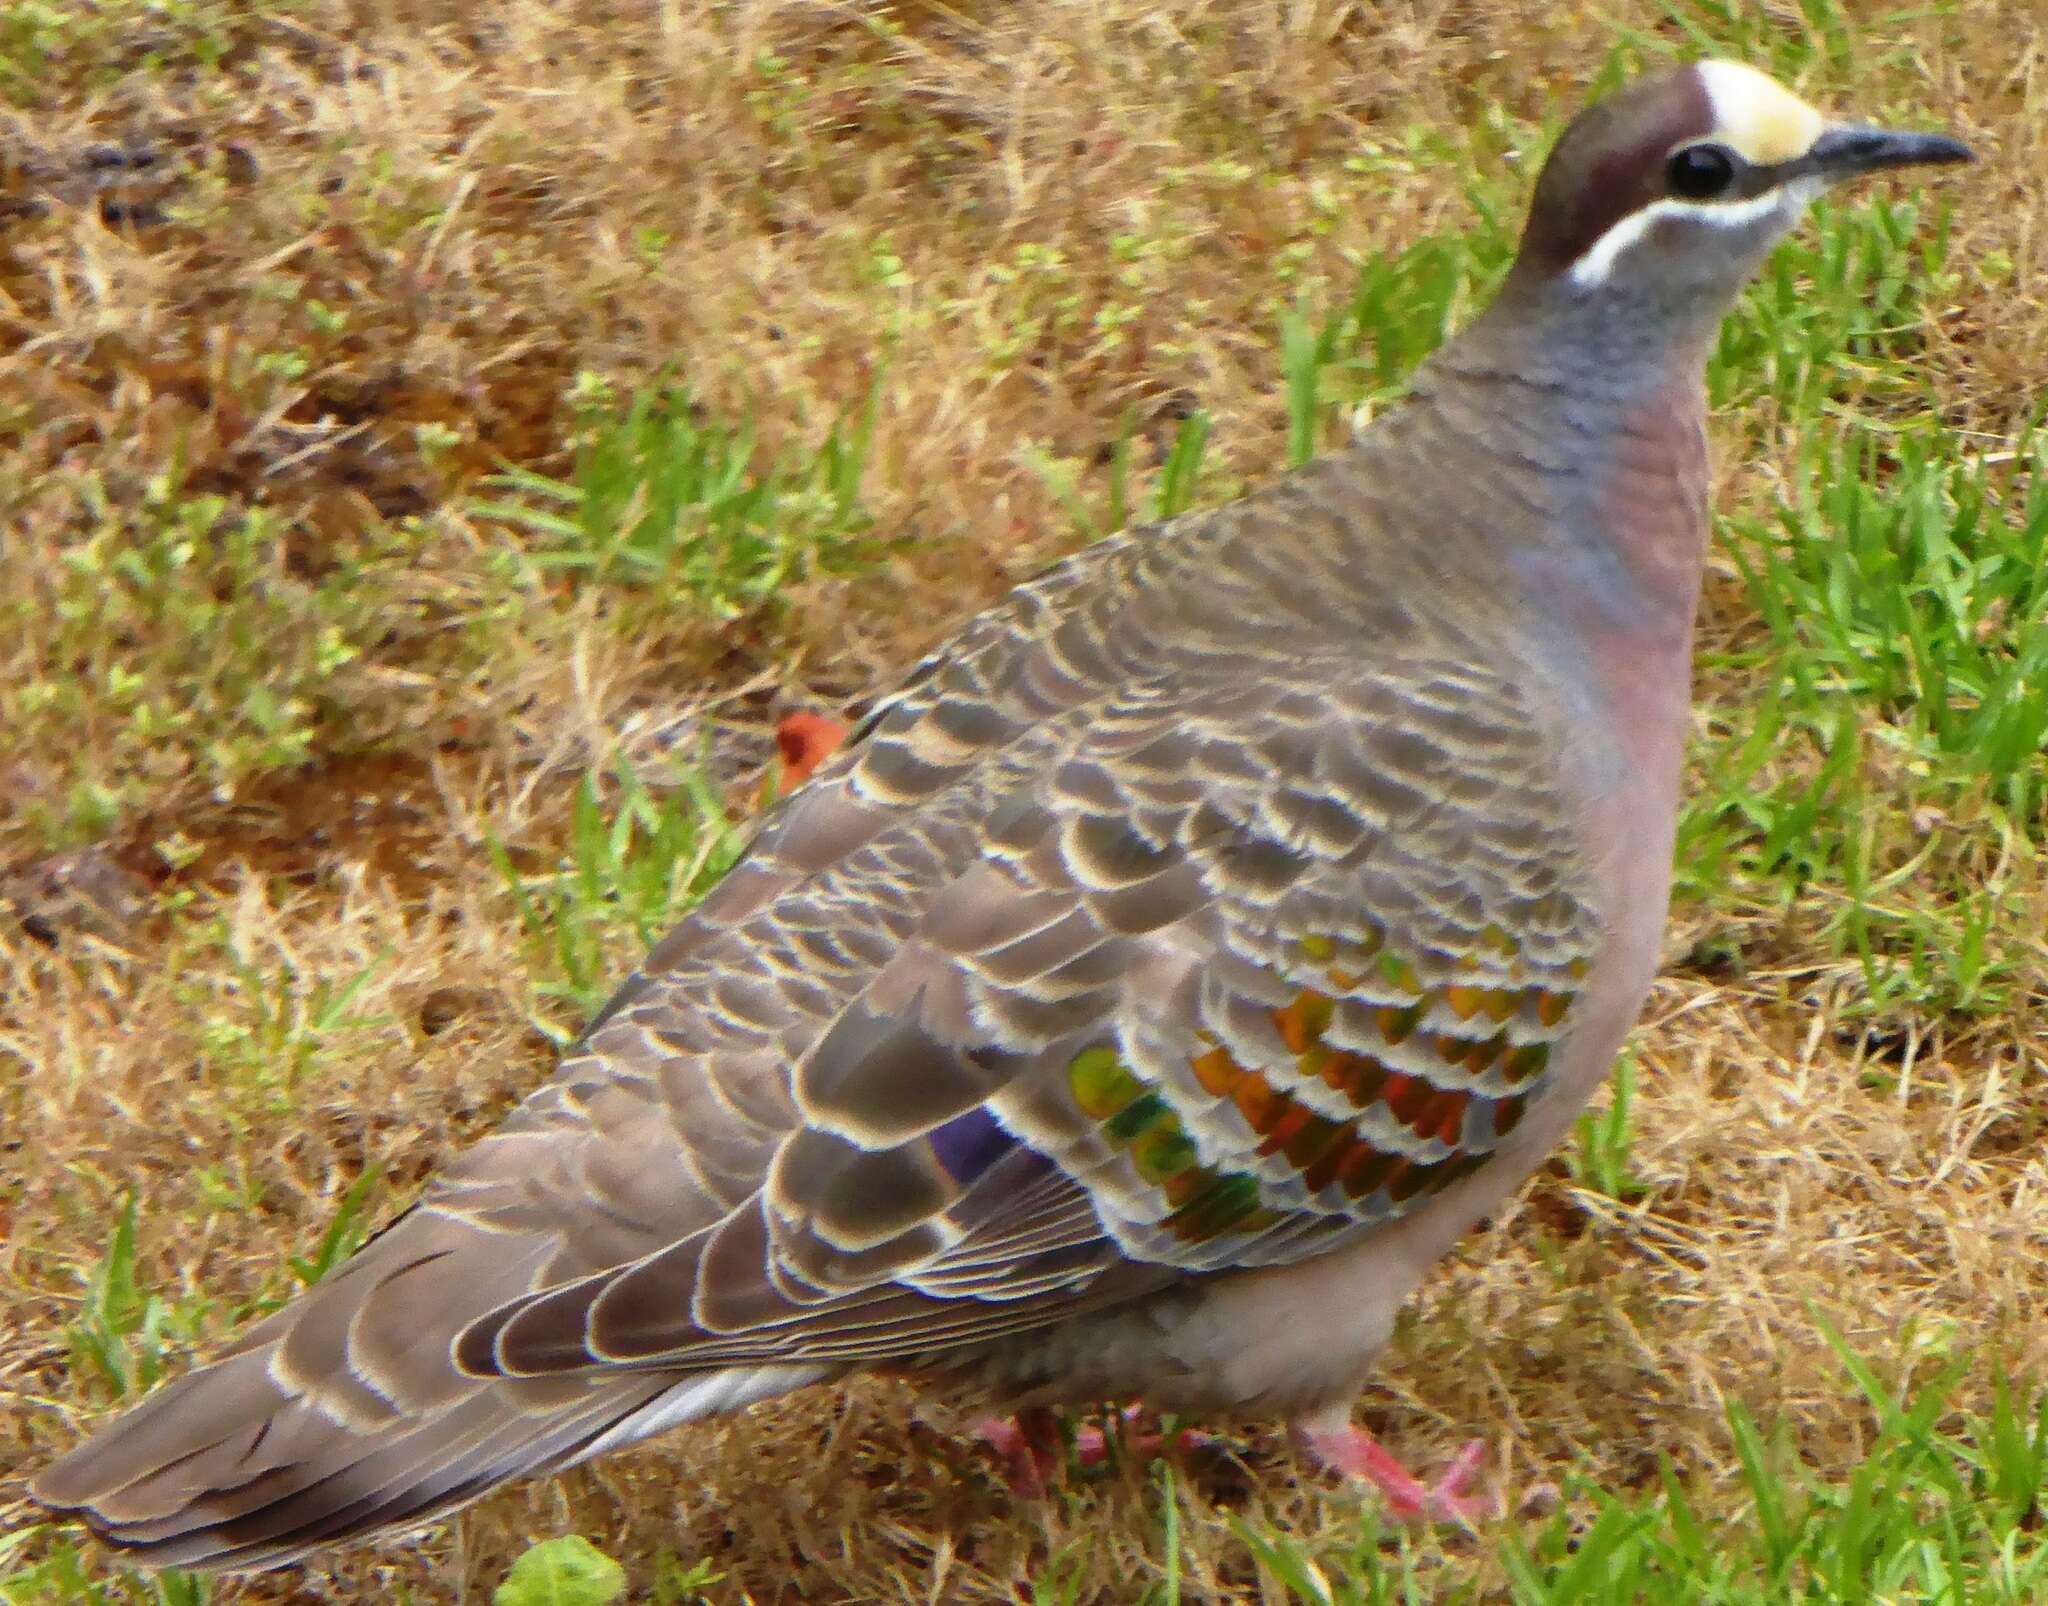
(344, 1415)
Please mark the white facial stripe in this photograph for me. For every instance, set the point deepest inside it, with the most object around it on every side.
(1755, 117)
(1594, 267)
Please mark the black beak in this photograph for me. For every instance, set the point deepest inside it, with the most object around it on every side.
(1848, 149)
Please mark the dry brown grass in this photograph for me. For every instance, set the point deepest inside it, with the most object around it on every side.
(782, 197)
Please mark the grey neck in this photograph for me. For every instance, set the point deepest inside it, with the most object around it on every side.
(1576, 424)
(1612, 345)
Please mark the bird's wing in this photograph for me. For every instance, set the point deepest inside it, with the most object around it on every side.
(1214, 971)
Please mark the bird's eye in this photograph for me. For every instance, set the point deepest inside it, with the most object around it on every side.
(1700, 172)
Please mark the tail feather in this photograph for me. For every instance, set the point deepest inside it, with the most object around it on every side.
(284, 1505)
(364, 1484)
(345, 1414)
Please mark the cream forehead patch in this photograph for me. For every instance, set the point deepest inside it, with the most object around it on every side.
(1756, 117)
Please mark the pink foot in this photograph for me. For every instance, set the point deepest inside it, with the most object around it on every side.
(1091, 1444)
(1027, 1445)
(1454, 1497)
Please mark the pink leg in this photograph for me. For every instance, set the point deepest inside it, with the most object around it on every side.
(1026, 1447)
(1357, 1454)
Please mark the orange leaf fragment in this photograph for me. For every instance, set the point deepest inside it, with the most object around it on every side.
(806, 741)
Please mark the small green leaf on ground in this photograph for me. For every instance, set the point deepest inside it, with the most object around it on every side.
(569, 1571)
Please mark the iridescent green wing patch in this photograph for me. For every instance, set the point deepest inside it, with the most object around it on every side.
(1360, 1130)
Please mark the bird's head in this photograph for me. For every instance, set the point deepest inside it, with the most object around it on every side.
(1673, 190)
